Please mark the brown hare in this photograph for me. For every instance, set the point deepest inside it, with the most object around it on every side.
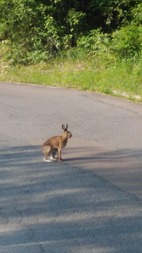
(55, 144)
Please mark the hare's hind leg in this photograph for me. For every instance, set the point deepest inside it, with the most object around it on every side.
(46, 151)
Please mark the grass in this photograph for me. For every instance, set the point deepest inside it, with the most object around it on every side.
(118, 78)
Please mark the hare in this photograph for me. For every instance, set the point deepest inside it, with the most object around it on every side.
(55, 144)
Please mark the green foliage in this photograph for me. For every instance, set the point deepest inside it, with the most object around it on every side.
(94, 42)
(30, 30)
(36, 30)
(127, 42)
(75, 22)
(111, 14)
(137, 14)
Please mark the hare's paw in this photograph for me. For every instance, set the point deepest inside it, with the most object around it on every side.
(47, 160)
(53, 159)
(60, 160)
(50, 160)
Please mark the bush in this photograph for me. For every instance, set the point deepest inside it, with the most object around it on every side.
(127, 42)
(37, 30)
(30, 30)
(33, 32)
(97, 46)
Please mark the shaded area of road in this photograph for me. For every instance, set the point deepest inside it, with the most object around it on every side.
(59, 208)
(122, 167)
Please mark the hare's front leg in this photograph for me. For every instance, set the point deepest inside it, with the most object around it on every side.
(53, 154)
(59, 155)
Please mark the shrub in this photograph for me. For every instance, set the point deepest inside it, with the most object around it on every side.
(30, 30)
(127, 42)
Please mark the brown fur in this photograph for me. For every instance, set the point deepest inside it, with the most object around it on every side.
(56, 143)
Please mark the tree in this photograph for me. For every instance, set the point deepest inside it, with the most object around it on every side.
(38, 29)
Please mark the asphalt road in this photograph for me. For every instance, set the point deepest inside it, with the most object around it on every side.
(91, 202)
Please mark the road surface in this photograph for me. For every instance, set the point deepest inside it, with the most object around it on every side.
(91, 202)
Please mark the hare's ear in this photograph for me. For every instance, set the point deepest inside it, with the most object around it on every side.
(63, 127)
(66, 126)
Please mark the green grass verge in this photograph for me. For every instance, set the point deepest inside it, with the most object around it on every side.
(123, 79)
